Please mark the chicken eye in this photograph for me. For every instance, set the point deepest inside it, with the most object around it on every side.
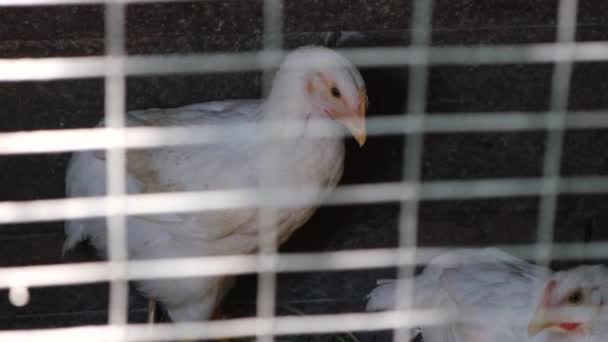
(335, 92)
(575, 297)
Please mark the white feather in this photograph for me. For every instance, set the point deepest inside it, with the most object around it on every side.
(225, 165)
(495, 296)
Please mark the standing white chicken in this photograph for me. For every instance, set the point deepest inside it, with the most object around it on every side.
(312, 83)
(500, 298)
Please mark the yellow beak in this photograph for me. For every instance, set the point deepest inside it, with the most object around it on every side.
(356, 126)
(357, 129)
(354, 121)
(538, 323)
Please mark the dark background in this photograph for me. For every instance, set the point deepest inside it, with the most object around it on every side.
(236, 25)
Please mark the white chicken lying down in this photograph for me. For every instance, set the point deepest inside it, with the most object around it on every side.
(311, 83)
(499, 298)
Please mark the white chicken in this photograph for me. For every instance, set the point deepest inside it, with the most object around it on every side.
(500, 298)
(311, 83)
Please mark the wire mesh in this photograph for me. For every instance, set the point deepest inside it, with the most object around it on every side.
(116, 162)
(412, 161)
(115, 138)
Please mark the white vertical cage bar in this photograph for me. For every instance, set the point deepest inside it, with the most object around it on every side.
(422, 15)
(560, 89)
(272, 17)
(116, 163)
